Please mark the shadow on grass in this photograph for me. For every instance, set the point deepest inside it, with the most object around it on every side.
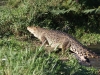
(74, 69)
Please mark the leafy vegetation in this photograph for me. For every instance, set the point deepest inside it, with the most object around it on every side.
(21, 58)
(77, 17)
(66, 15)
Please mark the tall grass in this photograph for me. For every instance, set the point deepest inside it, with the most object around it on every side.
(16, 15)
(21, 58)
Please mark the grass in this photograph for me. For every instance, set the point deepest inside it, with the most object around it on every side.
(22, 58)
(87, 38)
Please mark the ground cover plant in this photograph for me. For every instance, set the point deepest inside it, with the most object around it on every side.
(19, 56)
(75, 17)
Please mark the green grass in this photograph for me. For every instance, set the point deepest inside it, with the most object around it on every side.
(22, 58)
(16, 15)
(87, 38)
